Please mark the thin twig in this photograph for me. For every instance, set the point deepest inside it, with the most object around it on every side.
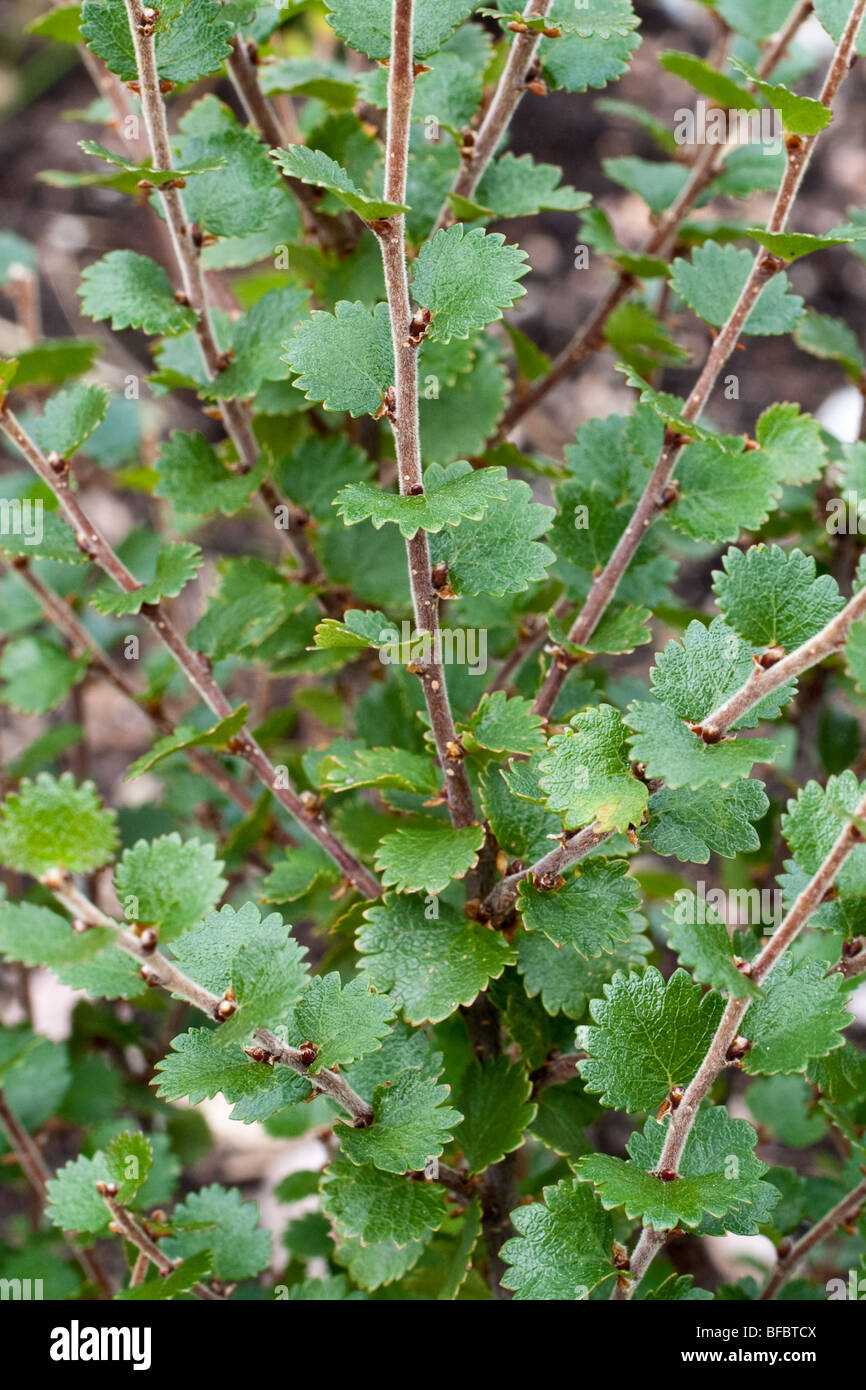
(235, 414)
(765, 679)
(194, 665)
(125, 1224)
(506, 99)
(340, 234)
(660, 242)
(405, 419)
(657, 495)
(718, 1056)
(330, 1083)
(59, 612)
(32, 1165)
(844, 1211)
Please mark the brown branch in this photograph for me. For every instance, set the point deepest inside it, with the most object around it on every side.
(330, 1083)
(656, 497)
(32, 1165)
(405, 419)
(506, 99)
(763, 680)
(59, 612)
(235, 414)
(194, 665)
(844, 1211)
(500, 902)
(340, 234)
(717, 1058)
(157, 969)
(707, 165)
(125, 1224)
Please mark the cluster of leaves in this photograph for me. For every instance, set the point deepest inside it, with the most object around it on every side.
(616, 961)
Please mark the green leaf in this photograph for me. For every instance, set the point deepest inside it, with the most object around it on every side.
(517, 187)
(692, 825)
(562, 1249)
(57, 543)
(316, 168)
(181, 1280)
(133, 292)
(366, 24)
(344, 360)
(70, 418)
(723, 491)
(256, 341)
(834, 15)
(855, 653)
(658, 182)
(210, 951)
(73, 1201)
(430, 964)
(695, 676)
(372, 1266)
(195, 481)
(304, 868)
(772, 598)
(723, 90)
(577, 61)
(792, 442)
(832, 339)
(174, 883)
(316, 470)
(719, 1176)
(374, 1207)
(343, 1023)
(792, 245)
(785, 1105)
(245, 192)
(378, 767)
(198, 1068)
(701, 940)
(566, 980)
(797, 1017)
(466, 279)
(176, 564)
(60, 23)
(466, 493)
(813, 822)
(597, 232)
(191, 39)
(37, 675)
(587, 775)
(669, 750)
(649, 1035)
(218, 736)
(49, 362)
(219, 1220)
(426, 857)
(503, 724)
(500, 554)
(129, 1158)
(410, 1125)
(493, 1097)
(91, 961)
(800, 115)
(711, 283)
(55, 822)
(590, 912)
